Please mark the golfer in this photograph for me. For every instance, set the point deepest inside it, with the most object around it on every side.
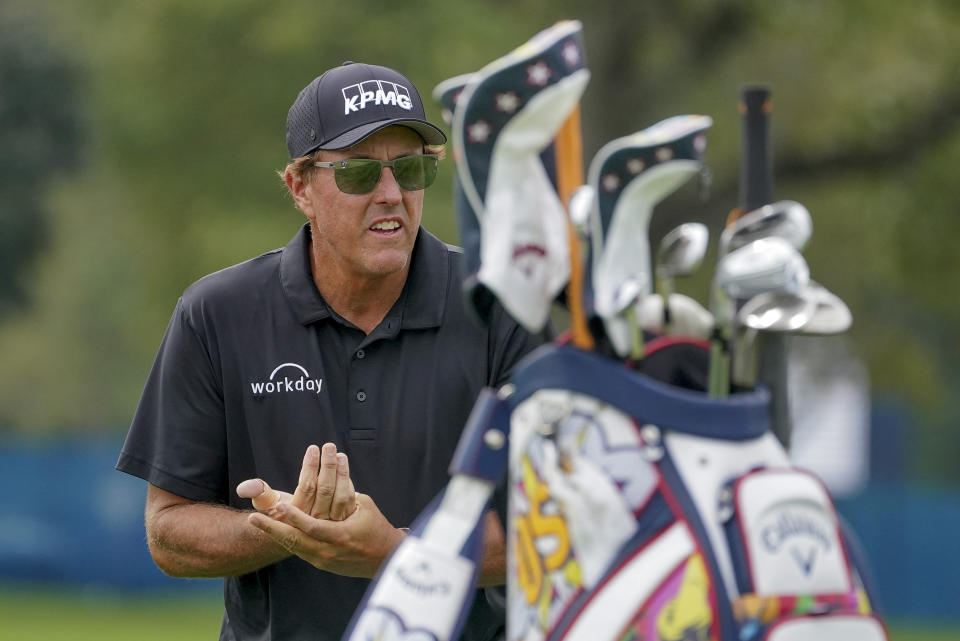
(328, 380)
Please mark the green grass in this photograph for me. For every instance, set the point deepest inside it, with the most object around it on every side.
(58, 615)
(41, 615)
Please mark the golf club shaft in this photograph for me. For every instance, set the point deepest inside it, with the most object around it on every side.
(743, 366)
(636, 334)
(568, 147)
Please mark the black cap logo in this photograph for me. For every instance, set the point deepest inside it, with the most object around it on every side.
(375, 92)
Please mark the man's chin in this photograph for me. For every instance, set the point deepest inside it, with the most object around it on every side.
(387, 263)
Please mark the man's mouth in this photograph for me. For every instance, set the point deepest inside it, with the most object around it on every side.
(386, 226)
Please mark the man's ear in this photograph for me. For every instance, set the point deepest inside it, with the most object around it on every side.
(297, 187)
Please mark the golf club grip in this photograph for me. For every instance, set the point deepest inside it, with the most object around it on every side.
(756, 173)
(756, 190)
(568, 147)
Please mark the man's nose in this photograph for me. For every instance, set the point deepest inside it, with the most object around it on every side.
(387, 189)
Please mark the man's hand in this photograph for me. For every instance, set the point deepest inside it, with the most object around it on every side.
(355, 546)
(322, 521)
(324, 490)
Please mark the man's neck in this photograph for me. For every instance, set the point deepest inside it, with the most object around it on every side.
(363, 301)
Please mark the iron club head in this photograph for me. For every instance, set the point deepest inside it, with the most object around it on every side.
(785, 219)
(682, 250)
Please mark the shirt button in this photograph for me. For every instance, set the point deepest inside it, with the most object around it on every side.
(361, 354)
(361, 396)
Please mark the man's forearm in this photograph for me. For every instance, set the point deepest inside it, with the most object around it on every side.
(493, 569)
(188, 539)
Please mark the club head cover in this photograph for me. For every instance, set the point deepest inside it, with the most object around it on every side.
(687, 316)
(630, 176)
(478, 300)
(447, 93)
(505, 118)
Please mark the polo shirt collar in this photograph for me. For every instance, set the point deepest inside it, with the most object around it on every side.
(421, 304)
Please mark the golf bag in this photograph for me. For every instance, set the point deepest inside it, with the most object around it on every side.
(640, 510)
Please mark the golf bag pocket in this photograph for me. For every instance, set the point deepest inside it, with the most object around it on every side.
(784, 535)
(659, 590)
(831, 627)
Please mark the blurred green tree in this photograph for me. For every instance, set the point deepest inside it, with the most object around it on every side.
(39, 136)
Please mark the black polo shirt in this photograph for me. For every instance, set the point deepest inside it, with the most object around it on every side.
(254, 367)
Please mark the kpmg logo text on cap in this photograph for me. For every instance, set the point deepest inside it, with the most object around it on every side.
(377, 92)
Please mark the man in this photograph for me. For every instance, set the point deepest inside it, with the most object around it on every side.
(353, 336)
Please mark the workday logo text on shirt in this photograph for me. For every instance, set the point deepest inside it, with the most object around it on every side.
(287, 378)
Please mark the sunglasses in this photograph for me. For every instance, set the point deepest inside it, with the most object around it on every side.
(361, 175)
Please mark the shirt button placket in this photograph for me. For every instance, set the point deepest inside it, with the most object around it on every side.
(362, 413)
(361, 395)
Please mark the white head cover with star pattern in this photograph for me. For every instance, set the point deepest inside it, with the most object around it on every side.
(506, 115)
(630, 175)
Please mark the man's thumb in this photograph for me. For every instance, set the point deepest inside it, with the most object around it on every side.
(263, 496)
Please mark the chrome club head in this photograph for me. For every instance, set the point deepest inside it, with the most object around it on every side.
(764, 265)
(580, 208)
(810, 311)
(682, 250)
(831, 315)
(813, 310)
(785, 219)
(628, 294)
(783, 312)
(777, 312)
(680, 253)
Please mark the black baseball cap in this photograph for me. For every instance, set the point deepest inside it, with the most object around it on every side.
(346, 104)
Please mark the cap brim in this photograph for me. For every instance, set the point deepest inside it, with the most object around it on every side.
(431, 135)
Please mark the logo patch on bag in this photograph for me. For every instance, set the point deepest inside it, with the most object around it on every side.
(790, 534)
(802, 534)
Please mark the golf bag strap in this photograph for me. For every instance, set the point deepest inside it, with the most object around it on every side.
(861, 567)
(482, 450)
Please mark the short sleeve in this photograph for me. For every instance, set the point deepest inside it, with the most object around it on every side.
(177, 438)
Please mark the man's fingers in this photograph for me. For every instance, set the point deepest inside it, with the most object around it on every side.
(326, 483)
(344, 499)
(306, 492)
(287, 536)
(292, 527)
(265, 498)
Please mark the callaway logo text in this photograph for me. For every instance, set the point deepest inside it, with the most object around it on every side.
(293, 378)
(788, 526)
(377, 92)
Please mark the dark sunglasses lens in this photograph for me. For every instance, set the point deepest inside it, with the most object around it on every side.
(357, 176)
(415, 172)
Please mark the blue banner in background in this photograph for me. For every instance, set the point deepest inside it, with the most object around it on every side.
(70, 518)
(910, 536)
